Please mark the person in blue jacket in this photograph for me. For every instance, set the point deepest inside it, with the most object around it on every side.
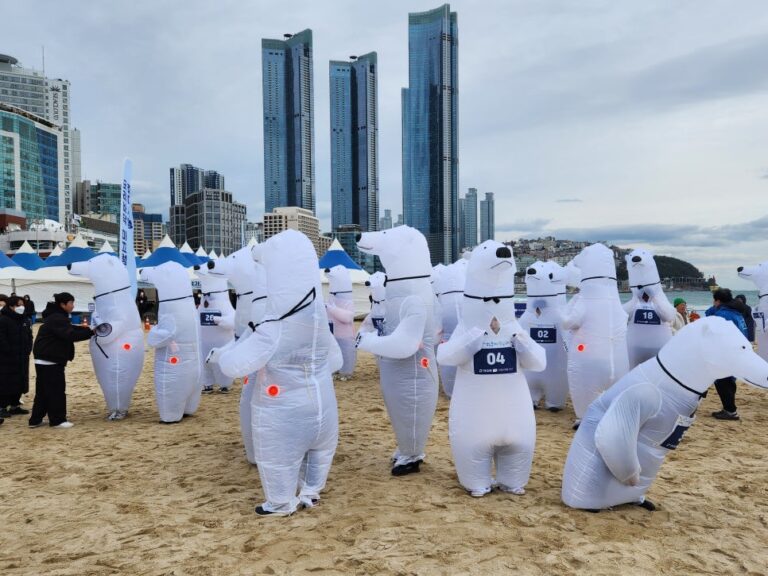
(731, 309)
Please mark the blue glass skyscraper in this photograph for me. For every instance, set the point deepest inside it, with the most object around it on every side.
(354, 143)
(430, 131)
(289, 151)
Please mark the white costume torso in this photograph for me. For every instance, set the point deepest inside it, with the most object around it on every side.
(217, 322)
(176, 340)
(759, 276)
(341, 314)
(449, 286)
(118, 355)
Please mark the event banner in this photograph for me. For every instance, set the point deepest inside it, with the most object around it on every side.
(126, 225)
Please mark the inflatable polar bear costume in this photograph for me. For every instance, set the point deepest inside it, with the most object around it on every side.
(628, 431)
(117, 350)
(341, 312)
(406, 349)
(374, 322)
(249, 280)
(449, 288)
(650, 313)
(491, 418)
(545, 286)
(293, 404)
(597, 343)
(175, 339)
(759, 276)
(217, 327)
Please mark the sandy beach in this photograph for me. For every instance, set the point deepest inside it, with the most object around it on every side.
(135, 497)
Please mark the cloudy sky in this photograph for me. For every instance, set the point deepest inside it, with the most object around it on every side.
(643, 123)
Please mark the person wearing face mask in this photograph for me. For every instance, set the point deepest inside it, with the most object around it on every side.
(53, 348)
(16, 345)
(29, 309)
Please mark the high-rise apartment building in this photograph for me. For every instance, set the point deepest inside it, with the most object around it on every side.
(147, 229)
(354, 143)
(185, 181)
(30, 90)
(291, 217)
(430, 131)
(98, 198)
(468, 219)
(289, 134)
(385, 222)
(31, 171)
(487, 218)
(215, 221)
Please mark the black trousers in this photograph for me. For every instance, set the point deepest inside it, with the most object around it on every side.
(726, 389)
(10, 400)
(50, 395)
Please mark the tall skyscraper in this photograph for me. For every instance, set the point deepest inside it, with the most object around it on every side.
(185, 181)
(354, 143)
(30, 90)
(430, 131)
(487, 218)
(469, 219)
(289, 133)
(385, 222)
(98, 197)
(215, 221)
(30, 165)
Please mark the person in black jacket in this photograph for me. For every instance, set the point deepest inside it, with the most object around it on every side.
(15, 347)
(29, 309)
(53, 348)
(747, 313)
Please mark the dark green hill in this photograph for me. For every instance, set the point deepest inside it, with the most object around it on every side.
(668, 266)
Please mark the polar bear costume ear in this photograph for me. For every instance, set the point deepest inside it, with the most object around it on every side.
(728, 353)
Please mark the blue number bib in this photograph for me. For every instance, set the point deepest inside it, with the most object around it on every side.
(544, 335)
(330, 325)
(502, 360)
(759, 320)
(206, 318)
(646, 316)
(378, 324)
(681, 427)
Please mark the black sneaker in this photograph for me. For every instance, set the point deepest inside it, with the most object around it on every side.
(208, 390)
(725, 415)
(4, 413)
(15, 410)
(261, 512)
(36, 424)
(223, 390)
(404, 469)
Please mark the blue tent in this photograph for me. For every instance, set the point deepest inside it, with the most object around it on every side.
(163, 255)
(70, 255)
(5, 261)
(27, 258)
(335, 256)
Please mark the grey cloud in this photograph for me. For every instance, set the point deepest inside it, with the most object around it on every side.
(568, 200)
(522, 226)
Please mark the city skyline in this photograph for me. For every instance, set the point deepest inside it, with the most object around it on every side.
(631, 124)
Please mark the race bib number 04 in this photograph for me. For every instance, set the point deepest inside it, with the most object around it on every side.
(496, 361)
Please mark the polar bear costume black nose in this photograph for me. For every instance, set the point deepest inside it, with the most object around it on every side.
(211, 264)
(740, 268)
(636, 259)
(503, 252)
(358, 237)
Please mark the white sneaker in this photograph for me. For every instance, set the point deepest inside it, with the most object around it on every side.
(64, 425)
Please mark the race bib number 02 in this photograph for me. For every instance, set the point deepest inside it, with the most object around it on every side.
(207, 318)
(645, 316)
(502, 360)
(544, 335)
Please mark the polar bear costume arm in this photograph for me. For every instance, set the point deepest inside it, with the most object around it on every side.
(163, 333)
(616, 434)
(335, 358)
(661, 303)
(366, 325)
(530, 354)
(252, 353)
(460, 347)
(339, 314)
(631, 304)
(574, 314)
(406, 338)
(225, 321)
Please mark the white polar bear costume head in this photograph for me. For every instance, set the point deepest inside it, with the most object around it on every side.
(339, 280)
(403, 251)
(490, 279)
(376, 283)
(170, 279)
(290, 262)
(106, 272)
(642, 270)
(545, 279)
(595, 261)
(709, 349)
(210, 283)
(758, 275)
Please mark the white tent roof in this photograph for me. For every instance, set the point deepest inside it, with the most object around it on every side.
(147, 254)
(78, 242)
(335, 245)
(167, 242)
(55, 252)
(212, 255)
(201, 252)
(186, 248)
(106, 247)
(26, 248)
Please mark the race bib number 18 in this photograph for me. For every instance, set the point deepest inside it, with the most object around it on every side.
(645, 316)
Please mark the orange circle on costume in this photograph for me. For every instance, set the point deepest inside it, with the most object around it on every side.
(173, 360)
(273, 390)
(581, 347)
(425, 362)
(126, 346)
(245, 380)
